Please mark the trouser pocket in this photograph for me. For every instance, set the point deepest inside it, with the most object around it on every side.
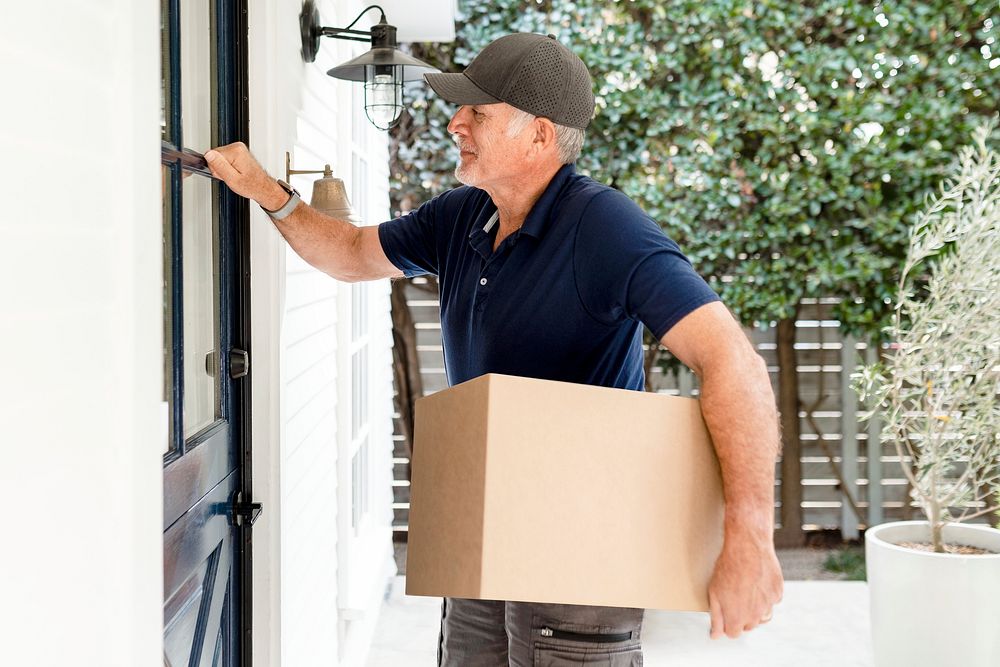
(563, 648)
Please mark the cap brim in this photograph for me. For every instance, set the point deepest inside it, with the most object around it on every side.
(458, 89)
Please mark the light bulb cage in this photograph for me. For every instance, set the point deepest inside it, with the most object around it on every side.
(378, 105)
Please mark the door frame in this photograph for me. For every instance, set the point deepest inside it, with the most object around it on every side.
(234, 125)
(232, 87)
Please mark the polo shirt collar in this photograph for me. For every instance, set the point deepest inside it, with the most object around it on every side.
(538, 218)
(479, 237)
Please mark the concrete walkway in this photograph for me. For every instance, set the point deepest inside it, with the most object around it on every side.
(818, 624)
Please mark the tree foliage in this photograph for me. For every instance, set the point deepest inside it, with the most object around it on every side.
(785, 146)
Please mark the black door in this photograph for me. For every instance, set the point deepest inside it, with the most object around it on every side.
(206, 513)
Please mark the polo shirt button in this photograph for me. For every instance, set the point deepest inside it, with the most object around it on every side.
(482, 281)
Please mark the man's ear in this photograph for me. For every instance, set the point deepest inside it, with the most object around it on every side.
(545, 134)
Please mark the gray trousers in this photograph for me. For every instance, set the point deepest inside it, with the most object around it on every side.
(488, 633)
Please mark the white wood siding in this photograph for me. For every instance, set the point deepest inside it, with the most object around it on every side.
(302, 401)
(82, 430)
(309, 460)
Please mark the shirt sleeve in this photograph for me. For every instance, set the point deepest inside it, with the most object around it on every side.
(627, 268)
(411, 242)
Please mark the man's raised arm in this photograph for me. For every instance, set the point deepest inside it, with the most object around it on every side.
(336, 247)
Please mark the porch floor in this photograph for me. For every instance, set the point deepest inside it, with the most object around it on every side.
(818, 624)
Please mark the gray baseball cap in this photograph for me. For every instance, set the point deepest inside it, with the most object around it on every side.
(534, 73)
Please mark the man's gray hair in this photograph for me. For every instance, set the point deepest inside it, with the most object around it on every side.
(569, 140)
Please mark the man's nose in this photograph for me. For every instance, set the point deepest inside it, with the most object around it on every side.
(458, 121)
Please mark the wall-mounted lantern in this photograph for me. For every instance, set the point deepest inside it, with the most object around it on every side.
(383, 69)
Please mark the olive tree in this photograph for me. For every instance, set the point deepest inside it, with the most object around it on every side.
(936, 392)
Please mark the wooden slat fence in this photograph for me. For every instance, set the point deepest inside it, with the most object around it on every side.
(834, 437)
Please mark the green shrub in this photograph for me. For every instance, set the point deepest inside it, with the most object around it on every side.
(849, 562)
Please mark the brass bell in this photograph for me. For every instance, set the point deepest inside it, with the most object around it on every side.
(330, 196)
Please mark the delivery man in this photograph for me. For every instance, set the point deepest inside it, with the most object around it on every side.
(545, 273)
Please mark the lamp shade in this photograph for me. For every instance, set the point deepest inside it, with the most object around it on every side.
(357, 68)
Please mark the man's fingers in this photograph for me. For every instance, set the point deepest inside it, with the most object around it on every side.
(220, 166)
(737, 623)
(233, 152)
(239, 170)
(756, 623)
(235, 166)
(717, 621)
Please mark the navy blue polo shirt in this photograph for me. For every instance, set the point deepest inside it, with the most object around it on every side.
(562, 298)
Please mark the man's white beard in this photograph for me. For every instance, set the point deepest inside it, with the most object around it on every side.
(462, 174)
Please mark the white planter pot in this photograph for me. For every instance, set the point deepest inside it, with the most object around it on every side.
(929, 609)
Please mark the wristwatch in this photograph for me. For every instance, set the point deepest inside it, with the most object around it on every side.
(286, 210)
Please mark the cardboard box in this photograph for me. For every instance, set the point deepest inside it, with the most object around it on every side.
(544, 491)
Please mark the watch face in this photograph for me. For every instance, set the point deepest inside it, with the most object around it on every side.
(286, 187)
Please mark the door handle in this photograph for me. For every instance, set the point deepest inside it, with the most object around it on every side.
(239, 363)
(243, 512)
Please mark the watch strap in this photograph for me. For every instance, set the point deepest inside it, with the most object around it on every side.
(289, 206)
(285, 210)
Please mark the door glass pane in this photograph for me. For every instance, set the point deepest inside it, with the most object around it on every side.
(200, 348)
(168, 339)
(198, 67)
(166, 74)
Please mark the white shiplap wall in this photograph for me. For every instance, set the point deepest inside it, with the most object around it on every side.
(81, 426)
(304, 336)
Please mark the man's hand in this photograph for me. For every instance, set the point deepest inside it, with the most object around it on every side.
(240, 171)
(746, 584)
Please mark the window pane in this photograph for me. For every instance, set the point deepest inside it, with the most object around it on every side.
(359, 187)
(359, 123)
(359, 484)
(200, 349)
(359, 311)
(197, 68)
(359, 391)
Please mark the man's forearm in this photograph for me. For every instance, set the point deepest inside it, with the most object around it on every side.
(738, 406)
(331, 245)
